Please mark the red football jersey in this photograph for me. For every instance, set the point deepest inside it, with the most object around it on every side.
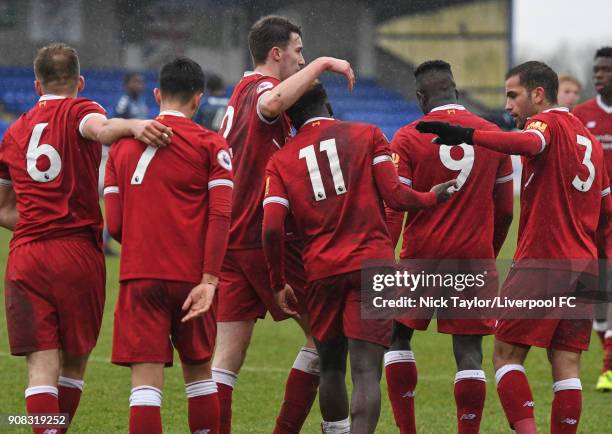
(561, 190)
(597, 117)
(462, 228)
(53, 170)
(252, 140)
(324, 176)
(164, 196)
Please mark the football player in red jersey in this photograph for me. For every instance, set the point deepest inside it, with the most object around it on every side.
(255, 126)
(596, 114)
(55, 274)
(484, 177)
(564, 193)
(168, 301)
(333, 176)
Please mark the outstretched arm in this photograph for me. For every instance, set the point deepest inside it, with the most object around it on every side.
(512, 143)
(403, 198)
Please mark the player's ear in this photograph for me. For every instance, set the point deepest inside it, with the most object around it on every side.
(196, 101)
(157, 95)
(538, 95)
(81, 83)
(38, 88)
(276, 53)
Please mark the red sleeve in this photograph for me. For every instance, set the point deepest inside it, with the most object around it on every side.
(5, 176)
(397, 196)
(276, 208)
(530, 142)
(264, 86)
(503, 198)
(220, 187)
(605, 219)
(401, 160)
(113, 207)
(84, 110)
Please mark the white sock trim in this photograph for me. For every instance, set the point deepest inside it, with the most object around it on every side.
(569, 384)
(146, 396)
(399, 357)
(224, 376)
(338, 427)
(71, 382)
(470, 374)
(600, 326)
(38, 390)
(505, 369)
(307, 361)
(608, 334)
(200, 388)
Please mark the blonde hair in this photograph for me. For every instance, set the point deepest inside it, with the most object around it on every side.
(569, 78)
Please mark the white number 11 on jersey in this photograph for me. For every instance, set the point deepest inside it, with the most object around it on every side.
(308, 153)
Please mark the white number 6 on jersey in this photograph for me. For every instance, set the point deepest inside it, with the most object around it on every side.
(35, 152)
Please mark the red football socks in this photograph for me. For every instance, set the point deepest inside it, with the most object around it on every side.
(145, 413)
(516, 398)
(203, 406)
(225, 386)
(470, 393)
(69, 395)
(300, 392)
(566, 406)
(401, 374)
(41, 399)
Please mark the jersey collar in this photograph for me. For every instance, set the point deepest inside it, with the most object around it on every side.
(249, 73)
(603, 105)
(447, 107)
(310, 122)
(172, 113)
(557, 109)
(50, 96)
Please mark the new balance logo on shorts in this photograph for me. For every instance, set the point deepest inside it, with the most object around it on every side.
(468, 416)
(408, 394)
(51, 431)
(569, 421)
(528, 404)
(202, 431)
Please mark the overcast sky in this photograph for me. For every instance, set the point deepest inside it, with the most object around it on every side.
(544, 25)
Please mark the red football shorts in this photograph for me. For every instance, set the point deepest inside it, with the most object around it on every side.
(54, 293)
(334, 309)
(148, 324)
(452, 320)
(556, 333)
(244, 288)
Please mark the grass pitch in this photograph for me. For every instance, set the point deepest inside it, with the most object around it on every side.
(259, 391)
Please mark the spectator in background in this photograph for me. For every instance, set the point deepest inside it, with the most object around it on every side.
(213, 108)
(129, 106)
(569, 91)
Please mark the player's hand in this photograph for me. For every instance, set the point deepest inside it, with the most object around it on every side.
(340, 66)
(447, 134)
(445, 190)
(287, 301)
(152, 133)
(198, 301)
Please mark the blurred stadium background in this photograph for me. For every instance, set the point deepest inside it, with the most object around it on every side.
(384, 41)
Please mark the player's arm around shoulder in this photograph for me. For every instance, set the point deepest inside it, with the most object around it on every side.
(106, 131)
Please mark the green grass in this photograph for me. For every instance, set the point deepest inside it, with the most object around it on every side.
(259, 391)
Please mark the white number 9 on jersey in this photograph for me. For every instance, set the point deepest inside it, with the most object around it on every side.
(35, 152)
(464, 165)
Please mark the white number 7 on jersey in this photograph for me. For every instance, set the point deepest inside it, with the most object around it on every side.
(143, 163)
(308, 153)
